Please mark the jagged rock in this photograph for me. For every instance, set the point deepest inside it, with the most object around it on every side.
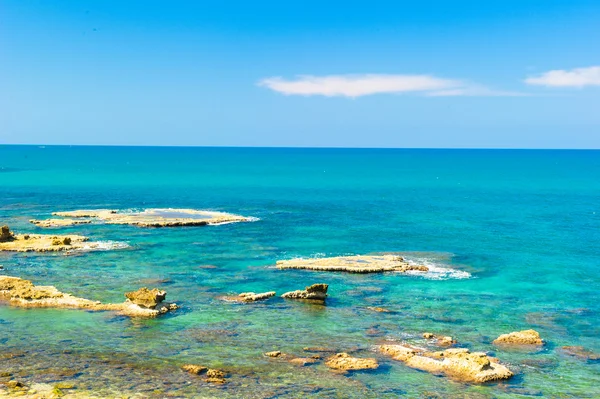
(158, 217)
(273, 354)
(23, 293)
(519, 338)
(216, 376)
(345, 362)
(459, 363)
(249, 297)
(5, 234)
(314, 292)
(194, 368)
(146, 298)
(580, 352)
(354, 264)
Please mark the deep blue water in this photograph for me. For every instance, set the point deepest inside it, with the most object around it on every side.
(524, 224)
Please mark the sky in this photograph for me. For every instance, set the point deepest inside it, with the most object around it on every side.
(424, 74)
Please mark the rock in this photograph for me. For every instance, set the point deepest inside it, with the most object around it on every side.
(314, 292)
(303, 361)
(458, 364)
(580, 352)
(47, 243)
(146, 298)
(249, 297)
(428, 335)
(354, 264)
(519, 338)
(23, 293)
(318, 349)
(345, 362)
(215, 376)
(157, 217)
(273, 354)
(440, 340)
(194, 368)
(5, 234)
(378, 309)
(14, 384)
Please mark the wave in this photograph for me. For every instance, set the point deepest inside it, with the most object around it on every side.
(105, 246)
(436, 271)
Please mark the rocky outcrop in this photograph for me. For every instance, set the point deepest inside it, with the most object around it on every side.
(194, 368)
(211, 375)
(156, 217)
(45, 243)
(354, 264)
(315, 292)
(581, 353)
(146, 298)
(5, 234)
(440, 340)
(249, 297)
(458, 364)
(23, 293)
(345, 362)
(519, 338)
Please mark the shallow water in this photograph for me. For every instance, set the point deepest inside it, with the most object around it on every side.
(513, 238)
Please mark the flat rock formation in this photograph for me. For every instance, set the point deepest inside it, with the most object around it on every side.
(23, 293)
(315, 292)
(249, 297)
(353, 264)
(519, 338)
(43, 242)
(345, 362)
(146, 298)
(157, 217)
(458, 364)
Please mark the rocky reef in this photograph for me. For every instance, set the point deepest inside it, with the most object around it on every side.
(315, 292)
(459, 364)
(520, 338)
(249, 297)
(10, 241)
(345, 362)
(211, 375)
(155, 217)
(23, 293)
(354, 264)
(440, 340)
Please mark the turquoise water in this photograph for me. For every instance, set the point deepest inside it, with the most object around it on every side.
(525, 225)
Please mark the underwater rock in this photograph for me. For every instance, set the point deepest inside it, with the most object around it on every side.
(580, 352)
(5, 234)
(215, 376)
(303, 361)
(379, 309)
(353, 264)
(458, 364)
(273, 354)
(345, 362)
(23, 293)
(46, 243)
(316, 292)
(194, 368)
(146, 298)
(249, 297)
(519, 338)
(440, 339)
(318, 349)
(154, 217)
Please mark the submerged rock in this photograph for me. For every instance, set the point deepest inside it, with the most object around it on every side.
(519, 338)
(194, 368)
(249, 297)
(216, 376)
(23, 293)
(317, 292)
(458, 364)
(273, 354)
(45, 242)
(345, 362)
(354, 264)
(440, 340)
(581, 353)
(158, 217)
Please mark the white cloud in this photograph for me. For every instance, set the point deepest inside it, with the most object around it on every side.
(578, 77)
(368, 84)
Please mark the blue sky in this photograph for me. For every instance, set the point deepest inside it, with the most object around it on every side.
(496, 74)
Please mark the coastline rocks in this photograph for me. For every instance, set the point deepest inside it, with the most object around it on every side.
(345, 362)
(580, 352)
(354, 264)
(153, 217)
(44, 242)
(458, 364)
(315, 292)
(5, 234)
(519, 338)
(23, 293)
(440, 340)
(249, 297)
(146, 298)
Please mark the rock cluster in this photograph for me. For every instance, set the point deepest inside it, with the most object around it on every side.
(354, 264)
(440, 340)
(315, 292)
(43, 242)
(212, 375)
(23, 293)
(345, 362)
(519, 338)
(157, 217)
(459, 363)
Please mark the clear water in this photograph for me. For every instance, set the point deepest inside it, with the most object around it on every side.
(524, 224)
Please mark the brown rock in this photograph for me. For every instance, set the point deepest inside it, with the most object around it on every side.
(194, 368)
(215, 376)
(5, 234)
(378, 309)
(317, 349)
(519, 338)
(146, 298)
(458, 364)
(580, 352)
(273, 354)
(345, 362)
(313, 292)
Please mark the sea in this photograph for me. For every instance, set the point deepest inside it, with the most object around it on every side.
(511, 237)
